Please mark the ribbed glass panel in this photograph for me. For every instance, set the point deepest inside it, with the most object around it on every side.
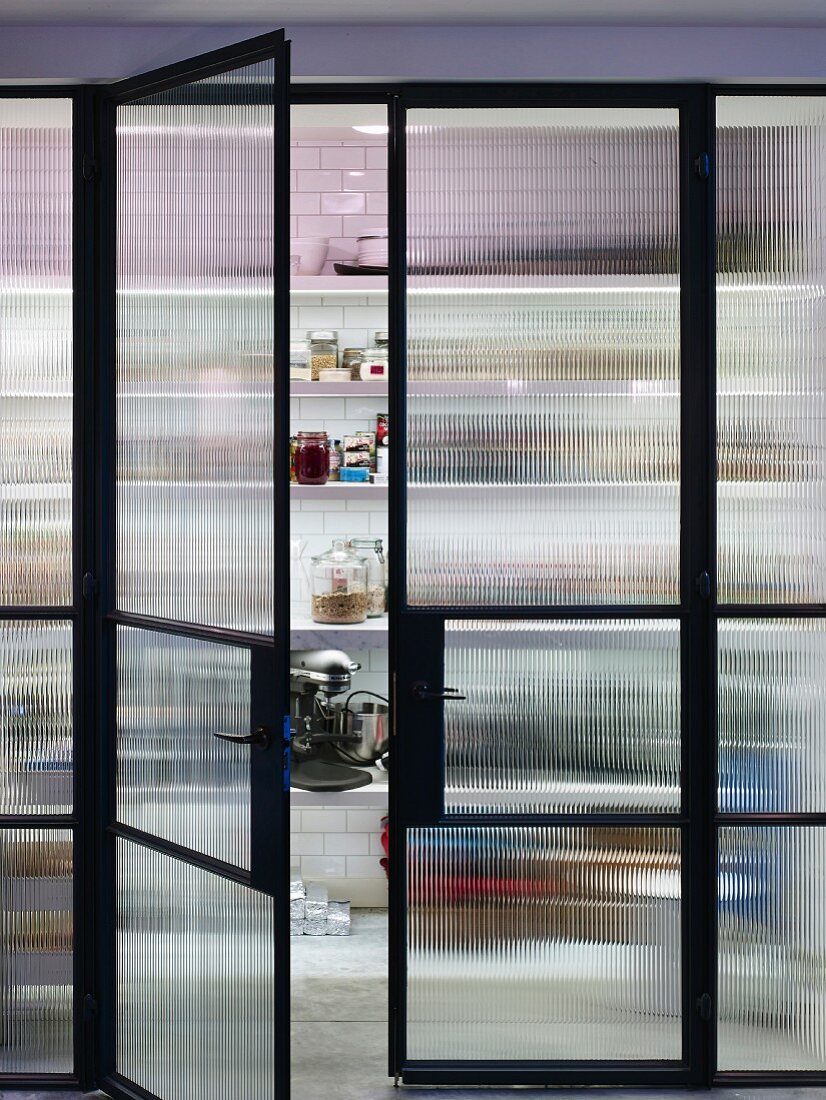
(543, 943)
(195, 351)
(36, 951)
(543, 356)
(176, 780)
(36, 351)
(772, 948)
(771, 353)
(562, 716)
(35, 717)
(772, 715)
(195, 967)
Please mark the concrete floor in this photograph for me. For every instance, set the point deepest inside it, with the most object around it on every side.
(339, 1029)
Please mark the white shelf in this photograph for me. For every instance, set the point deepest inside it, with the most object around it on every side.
(373, 796)
(338, 284)
(338, 389)
(305, 634)
(338, 490)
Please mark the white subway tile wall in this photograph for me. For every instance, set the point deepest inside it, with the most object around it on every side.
(339, 190)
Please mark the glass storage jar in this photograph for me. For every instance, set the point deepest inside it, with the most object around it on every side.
(312, 458)
(376, 579)
(376, 360)
(351, 361)
(339, 580)
(323, 351)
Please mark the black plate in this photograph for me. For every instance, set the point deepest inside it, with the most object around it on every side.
(355, 269)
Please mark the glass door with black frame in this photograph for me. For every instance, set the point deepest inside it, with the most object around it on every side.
(542, 834)
(195, 174)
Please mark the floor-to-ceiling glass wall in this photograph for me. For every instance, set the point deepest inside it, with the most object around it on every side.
(37, 611)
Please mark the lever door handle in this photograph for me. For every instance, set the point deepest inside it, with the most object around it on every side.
(421, 690)
(260, 736)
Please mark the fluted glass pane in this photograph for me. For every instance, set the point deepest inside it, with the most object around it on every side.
(772, 715)
(36, 351)
(562, 716)
(195, 974)
(35, 717)
(772, 948)
(771, 319)
(195, 351)
(543, 347)
(543, 943)
(176, 780)
(36, 951)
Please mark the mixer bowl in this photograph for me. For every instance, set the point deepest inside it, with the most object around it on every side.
(372, 722)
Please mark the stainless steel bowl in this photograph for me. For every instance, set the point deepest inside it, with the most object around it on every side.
(371, 723)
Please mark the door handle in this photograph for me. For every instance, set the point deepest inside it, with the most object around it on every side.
(421, 690)
(260, 736)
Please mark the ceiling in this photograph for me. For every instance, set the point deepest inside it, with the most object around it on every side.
(787, 13)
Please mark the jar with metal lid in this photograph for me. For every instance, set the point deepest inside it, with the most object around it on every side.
(375, 364)
(351, 361)
(323, 351)
(312, 458)
(339, 580)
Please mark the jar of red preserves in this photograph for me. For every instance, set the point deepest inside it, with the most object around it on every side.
(312, 458)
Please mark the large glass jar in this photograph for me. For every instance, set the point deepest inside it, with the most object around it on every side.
(376, 580)
(339, 580)
(323, 351)
(312, 458)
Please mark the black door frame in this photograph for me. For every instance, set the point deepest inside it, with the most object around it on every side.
(269, 850)
(417, 633)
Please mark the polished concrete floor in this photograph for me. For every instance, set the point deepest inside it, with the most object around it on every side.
(339, 1029)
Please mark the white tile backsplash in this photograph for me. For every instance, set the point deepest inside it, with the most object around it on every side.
(346, 844)
(324, 821)
(344, 157)
(349, 863)
(346, 180)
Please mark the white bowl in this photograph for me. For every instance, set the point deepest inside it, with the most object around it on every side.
(312, 253)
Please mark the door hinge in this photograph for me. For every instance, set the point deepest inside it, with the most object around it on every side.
(703, 585)
(702, 166)
(90, 586)
(89, 168)
(90, 1008)
(704, 1006)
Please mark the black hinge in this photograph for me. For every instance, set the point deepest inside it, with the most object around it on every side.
(704, 1006)
(90, 586)
(703, 585)
(90, 1008)
(702, 166)
(89, 167)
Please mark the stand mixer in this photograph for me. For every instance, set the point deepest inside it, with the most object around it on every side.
(329, 738)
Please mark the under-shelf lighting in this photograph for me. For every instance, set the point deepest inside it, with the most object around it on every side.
(372, 129)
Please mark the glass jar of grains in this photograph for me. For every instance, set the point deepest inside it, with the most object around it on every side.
(339, 580)
(323, 351)
(351, 361)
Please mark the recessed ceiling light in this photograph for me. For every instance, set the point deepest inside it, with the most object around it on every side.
(372, 129)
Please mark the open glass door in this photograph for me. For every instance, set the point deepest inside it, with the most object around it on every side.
(551, 526)
(195, 612)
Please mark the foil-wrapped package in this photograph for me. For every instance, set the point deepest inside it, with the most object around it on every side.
(315, 902)
(297, 909)
(296, 888)
(296, 927)
(338, 918)
(316, 927)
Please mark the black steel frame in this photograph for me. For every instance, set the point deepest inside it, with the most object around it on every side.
(418, 633)
(269, 676)
(416, 636)
(78, 612)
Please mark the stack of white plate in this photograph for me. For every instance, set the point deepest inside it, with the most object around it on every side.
(372, 248)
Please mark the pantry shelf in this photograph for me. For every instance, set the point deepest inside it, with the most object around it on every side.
(338, 284)
(338, 389)
(306, 634)
(338, 490)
